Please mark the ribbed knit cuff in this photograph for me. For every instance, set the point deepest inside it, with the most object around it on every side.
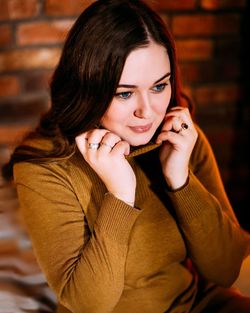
(116, 218)
(191, 200)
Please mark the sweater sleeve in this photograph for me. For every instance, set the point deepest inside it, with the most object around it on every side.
(215, 242)
(85, 271)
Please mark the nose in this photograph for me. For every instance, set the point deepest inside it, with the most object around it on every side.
(143, 107)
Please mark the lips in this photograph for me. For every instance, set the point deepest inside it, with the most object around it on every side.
(141, 128)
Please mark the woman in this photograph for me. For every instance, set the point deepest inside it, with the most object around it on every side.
(119, 189)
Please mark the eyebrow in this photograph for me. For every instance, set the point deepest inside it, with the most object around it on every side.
(134, 86)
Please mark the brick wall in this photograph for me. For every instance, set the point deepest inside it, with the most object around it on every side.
(211, 38)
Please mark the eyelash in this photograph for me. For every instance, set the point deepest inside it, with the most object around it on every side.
(120, 95)
(162, 87)
(127, 94)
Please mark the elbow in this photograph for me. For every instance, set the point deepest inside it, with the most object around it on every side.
(80, 303)
(222, 271)
(223, 276)
(89, 297)
(231, 275)
(230, 270)
(227, 280)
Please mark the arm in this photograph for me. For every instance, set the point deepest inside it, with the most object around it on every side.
(215, 242)
(85, 271)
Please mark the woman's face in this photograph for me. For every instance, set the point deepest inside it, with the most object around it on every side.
(142, 97)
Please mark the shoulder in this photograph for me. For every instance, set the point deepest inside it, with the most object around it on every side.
(62, 172)
(202, 138)
(35, 141)
(202, 150)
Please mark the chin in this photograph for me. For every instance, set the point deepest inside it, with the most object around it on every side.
(136, 142)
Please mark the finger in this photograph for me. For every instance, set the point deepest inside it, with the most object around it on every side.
(179, 110)
(84, 140)
(121, 148)
(172, 123)
(182, 113)
(109, 140)
(81, 142)
(186, 124)
(169, 136)
(96, 135)
(178, 107)
(94, 138)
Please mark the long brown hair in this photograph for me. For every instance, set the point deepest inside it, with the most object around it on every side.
(89, 71)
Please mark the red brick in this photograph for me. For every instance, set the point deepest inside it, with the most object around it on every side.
(29, 59)
(43, 32)
(66, 7)
(228, 70)
(188, 92)
(219, 135)
(229, 48)
(222, 4)
(206, 25)
(17, 9)
(191, 73)
(36, 81)
(9, 86)
(165, 19)
(5, 36)
(214, 117)
(23, 109)
(200, 72)
(12, 134)
(215, 94)
(172, 5)
(188, 50)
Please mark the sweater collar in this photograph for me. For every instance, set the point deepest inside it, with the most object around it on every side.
(142, 149)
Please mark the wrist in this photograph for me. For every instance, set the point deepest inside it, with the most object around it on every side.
(176, 182)
(130, 200)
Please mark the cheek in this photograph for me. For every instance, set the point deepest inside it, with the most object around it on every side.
(162, 105)
(115, 115)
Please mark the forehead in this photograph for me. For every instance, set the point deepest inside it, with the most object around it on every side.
(146, 65)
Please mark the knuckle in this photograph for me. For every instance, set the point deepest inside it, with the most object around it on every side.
(91, 133)
(97, 132)
(124, 143)
(116, 138)
(112, 136)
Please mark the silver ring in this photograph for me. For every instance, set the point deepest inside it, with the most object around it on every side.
(107, 145)
(93, 146)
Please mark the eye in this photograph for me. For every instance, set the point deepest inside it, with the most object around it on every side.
(160, 87)
(124, 95)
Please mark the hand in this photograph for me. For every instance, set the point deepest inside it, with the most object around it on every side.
(107, 158)
(178, 144)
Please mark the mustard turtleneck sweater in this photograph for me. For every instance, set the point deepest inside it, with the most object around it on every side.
(101, 255)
